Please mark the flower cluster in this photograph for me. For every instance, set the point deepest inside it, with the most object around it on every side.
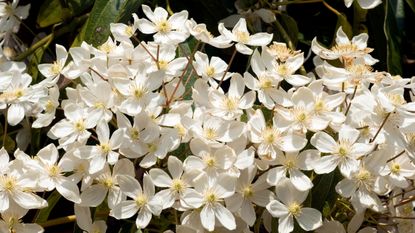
(134, 137)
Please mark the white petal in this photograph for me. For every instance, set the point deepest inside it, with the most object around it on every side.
(309, 219)
(224, 216)
(326, 164)
(143, 218)
(15, 114)
(323, 142)
(299, 180)
(69, 190)
(125, 209)
(286, 224)
(129, 185)
(93, 195)
(277, 209)
(207, 218)
(160, 178)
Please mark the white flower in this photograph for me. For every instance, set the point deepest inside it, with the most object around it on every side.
(177, 184)
(365, 4)
(209, 193)
(243, 38)
(11, 221)
(249, 193)
(200, 32)
(343, 153)
(167, 29)
(292, 163)
(84, 221)
(107, 183)
(53, 176)
(273, 139)
(231, 105)
(53, 71)
(290, 207)
(143, 200)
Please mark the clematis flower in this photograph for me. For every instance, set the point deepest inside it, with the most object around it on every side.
(343, 153)
(290, 207)
(242, 37)
(142, 200)
(167, 29)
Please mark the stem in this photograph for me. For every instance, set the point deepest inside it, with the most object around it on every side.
(189, 62)
(332, 9)
(145, 48)
(296, 2)
(227, 68)
(350, 102)
(69, 28)
(59, 221)
(381, 126)
(396, 156)
(5, 126)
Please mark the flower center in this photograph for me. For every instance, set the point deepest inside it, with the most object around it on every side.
(163, 26)
(8, 183)
(230, 103)
(210, 71)
(242, 37)
(265, 83)
(210, 134)
(105, 148)
(129, 30)
(162, 64)
(248, 192)
(283, 70)
(395, 168)
(295, 209)
(177, 185)
(79, 125)
(54, 171)
(141, 201)
(55, 68)
(270, 135)
(211, 198)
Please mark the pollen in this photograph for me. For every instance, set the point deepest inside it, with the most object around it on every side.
(343, 149)
(54, 171)
(49, 106)
(181, 130)
(283, 70)
(210, 71)
(79, 125)
(395, 168)
(210, 133)
(396, 99)
(177, 185)
(230, 103)
(211, 198)
(163, 26)
(8, 183)
(162, 64)
(265, 83)
(301, 116)
(210, 161)
(141, 201)
(18, 93)
(289, 164)
(294, 208)
(55, 68)
(139, 92)
(129, 31)
(134, 134)
(105, 148)
(319, 106)
(247, 191)
(152, 147)
(270, 135)
(99, 105)
(363, 175)
(242, 37)
(108, 182)
(281, 51)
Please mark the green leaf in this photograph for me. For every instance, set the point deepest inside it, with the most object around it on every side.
(291, 27)
(411, 4)
(394, 38)
(104, 12)
(36, 58)
(52, 11)
(322, 189)
(43, 214)
(342, 21)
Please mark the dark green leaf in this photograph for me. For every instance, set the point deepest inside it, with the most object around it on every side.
(104, 12)
(52, 11)
(411, 4)
(393, 37)
(36, 58)
(322, 189)
(291, 27)
(43, 214)
(342, 21)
